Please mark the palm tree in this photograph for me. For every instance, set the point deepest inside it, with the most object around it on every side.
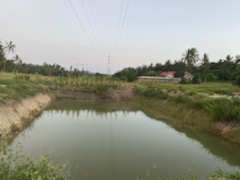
(190, 58)
(229, 58)
(205, 62)
(2, 54)
(10, 48)
(237, 59)
(17, 60)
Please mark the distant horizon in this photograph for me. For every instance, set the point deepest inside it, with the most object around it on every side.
(80, 67)
(133, 33)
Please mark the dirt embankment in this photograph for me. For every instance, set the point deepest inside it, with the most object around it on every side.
(124, 93)
(14, 116)
(229, 131)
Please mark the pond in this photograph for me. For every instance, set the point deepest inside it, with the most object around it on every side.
(104, 140)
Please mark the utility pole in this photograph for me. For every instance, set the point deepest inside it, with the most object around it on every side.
(108, 64)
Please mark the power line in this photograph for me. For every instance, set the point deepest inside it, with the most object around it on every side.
(124, 17)
(90, 25)
(81, 24)
(94, 22)
(121, 23)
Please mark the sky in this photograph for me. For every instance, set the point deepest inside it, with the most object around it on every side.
(108, 35)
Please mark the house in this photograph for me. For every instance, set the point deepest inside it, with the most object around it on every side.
(187, 76)
(159, 79)
(169, 74)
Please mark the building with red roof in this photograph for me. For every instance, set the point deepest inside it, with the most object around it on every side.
(169, 74)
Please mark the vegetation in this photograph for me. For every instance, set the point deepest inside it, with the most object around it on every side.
(16, 64)
(217, 99)
(99, 85)
(217, 175)
(19, 87)
(227, 69)
(127, 74)
(15, 165)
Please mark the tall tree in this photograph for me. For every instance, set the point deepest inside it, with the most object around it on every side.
(237, 59)
(10, 48)
(17, 61)
(190, 58)
(229, 58)
(2, 55)
(205, 63)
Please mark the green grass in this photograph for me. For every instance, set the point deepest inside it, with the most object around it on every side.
(15, 89)
(98, 85)
(221, 88)
(15, 165)
(217, 175)
(223, 108)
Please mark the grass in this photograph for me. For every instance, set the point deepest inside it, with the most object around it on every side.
(221, 88)
(15, 165)
(222, 108)
(97, 85)
(217, 175)
(15, 89)
(175, 114)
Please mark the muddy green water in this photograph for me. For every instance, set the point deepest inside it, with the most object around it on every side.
(110, 141)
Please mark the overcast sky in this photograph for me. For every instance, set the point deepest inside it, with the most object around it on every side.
(132, 32)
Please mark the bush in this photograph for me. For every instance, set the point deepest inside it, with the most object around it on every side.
(17, 166)
(151, 91)
(224, 109)
(236, 80)
(209, 77)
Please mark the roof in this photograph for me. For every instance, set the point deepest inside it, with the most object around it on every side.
(188, 74)
(167, 73)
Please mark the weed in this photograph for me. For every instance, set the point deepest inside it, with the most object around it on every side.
(14, 165)
(14, 128)
(224, 109)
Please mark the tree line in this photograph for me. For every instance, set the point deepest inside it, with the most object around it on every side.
(226, 69)
(16, 64)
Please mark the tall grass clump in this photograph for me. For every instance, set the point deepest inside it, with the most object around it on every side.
(224, 109)
(19, 88)
(14, 165)
(150, 91)
(98, 85)
(219, 174)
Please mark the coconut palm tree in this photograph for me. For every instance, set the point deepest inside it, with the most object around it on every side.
(9, 48)
(190, 58)
(229, 58)
(17, 61)
(237, 59)
(205, 62)
(2, 54)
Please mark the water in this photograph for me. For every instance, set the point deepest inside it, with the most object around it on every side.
(114, 141)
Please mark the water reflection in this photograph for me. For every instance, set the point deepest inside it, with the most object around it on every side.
(118, 141)
(76, 113)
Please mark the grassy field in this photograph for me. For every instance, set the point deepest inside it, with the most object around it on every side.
(220, 100)
(15, 87)
(210, 88)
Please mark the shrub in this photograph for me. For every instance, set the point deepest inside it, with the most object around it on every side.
(236, 80)
(101, 89)
(14, 165)
(224, 109)
(151, 91)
